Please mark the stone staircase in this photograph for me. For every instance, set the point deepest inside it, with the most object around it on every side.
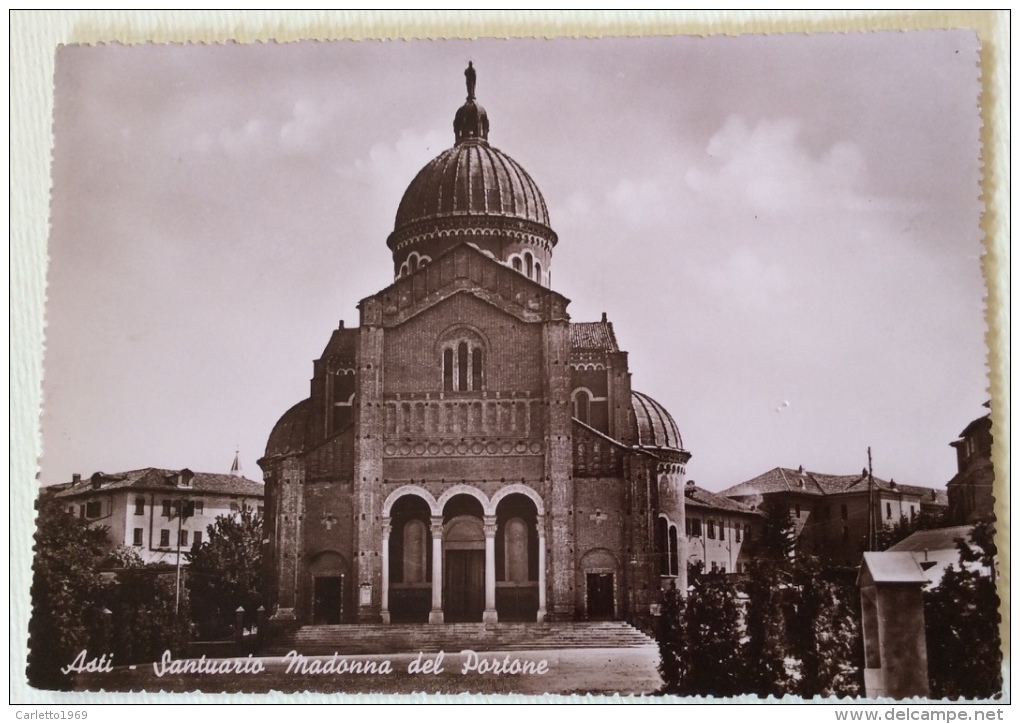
(411, 638)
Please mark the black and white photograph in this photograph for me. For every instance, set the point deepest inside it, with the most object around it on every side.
(650, 366)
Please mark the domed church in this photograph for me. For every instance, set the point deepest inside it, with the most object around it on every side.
(468, 452)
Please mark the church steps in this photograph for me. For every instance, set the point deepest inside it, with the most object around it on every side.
(396, 638)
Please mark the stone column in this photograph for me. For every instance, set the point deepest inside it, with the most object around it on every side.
(436, 614)
(540, 524)
(489, 615)
(386, 528)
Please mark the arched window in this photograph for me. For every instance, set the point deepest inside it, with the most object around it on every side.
(674, 552)
(529, 264)
(515, 538)
(414, 551)
(538, 272)
(582, 406)
(476, 368)
(517, 263)
(463, 361)
(663, 540)
(448, 369)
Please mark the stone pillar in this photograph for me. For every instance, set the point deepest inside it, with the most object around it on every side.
(541, 568)
(436, 614)
(386, 528)
(489, 615)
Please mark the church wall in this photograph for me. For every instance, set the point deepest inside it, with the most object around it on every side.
(466, 467)
(513, 355)
(599, 542)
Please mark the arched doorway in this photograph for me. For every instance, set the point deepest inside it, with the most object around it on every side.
(463, 560)
(599, 584)
(517, 558)
(410, 560)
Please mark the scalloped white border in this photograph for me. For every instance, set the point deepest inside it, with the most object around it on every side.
(34, 36)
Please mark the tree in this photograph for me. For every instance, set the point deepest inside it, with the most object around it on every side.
(142, 601)
(778, 539)
(766, 644)
(225, 572)
(824, 632)
(672, 640)
(712, 638)
(961, 618)
(67, 613)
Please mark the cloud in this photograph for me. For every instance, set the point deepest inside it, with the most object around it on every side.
(770, 169)
(744, 277)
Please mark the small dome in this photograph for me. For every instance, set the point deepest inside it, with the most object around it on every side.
(655, 426)
(290, 433)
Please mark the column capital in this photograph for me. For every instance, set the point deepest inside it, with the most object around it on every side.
(386, 527)
(489, 526)
(436, 526)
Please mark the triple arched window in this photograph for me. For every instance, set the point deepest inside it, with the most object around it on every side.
(463, 362)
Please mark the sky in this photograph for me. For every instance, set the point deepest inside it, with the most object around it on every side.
(784, 230)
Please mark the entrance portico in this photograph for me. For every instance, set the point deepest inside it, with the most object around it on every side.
(464, 557)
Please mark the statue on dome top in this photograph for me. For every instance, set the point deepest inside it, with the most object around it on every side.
(469, 76)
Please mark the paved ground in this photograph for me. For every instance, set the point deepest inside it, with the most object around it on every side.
(577, 671)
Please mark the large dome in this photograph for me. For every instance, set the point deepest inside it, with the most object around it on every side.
(472, 179)
(473, 193)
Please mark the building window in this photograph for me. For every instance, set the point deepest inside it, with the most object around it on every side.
(687, 526)
(674, 552)
(888, 511)
(137, 541)
(529, 264)
(516, 264)
(139, 506)
(696, 527)
(912, 513)
(463, 366)
(164, 539)
(261, 511)
(747, 532)
(81, 511)
(198, 537)
(722, 568)
(722, 530)
(199, 507)
(582, 406)
(843, 512)
(736, 533)
(167, 508)
(183, 538)
(70, 509)
(715, 567)
(664, 551)
(235, 508)
(538, 272)
(797, 509)
(93, 509)
(711, 529)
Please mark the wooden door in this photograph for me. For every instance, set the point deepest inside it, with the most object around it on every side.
(464, 585)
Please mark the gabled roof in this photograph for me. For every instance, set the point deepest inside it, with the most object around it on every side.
(937, 539)
(702, 498)
(159, 479)
(595, 336)
(343, 343)
(787, 480)
(896, 567)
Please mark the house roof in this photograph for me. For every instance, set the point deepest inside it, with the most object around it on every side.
(701, 498)
(805, 482)
(596, 336)
(886, 567)
(937, 539)
(159, 479)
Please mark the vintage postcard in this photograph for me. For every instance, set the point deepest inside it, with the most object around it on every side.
(650, 366)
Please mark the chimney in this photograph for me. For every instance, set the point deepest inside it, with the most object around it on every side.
(800, 469)
(75, 478)
(892, 483)
(604, 318)
(341, 324)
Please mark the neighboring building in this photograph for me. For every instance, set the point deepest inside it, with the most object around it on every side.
(936, 550)
(830, 512)
(468, 452)
(720, 532)
(971, 495)
(140, 507)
